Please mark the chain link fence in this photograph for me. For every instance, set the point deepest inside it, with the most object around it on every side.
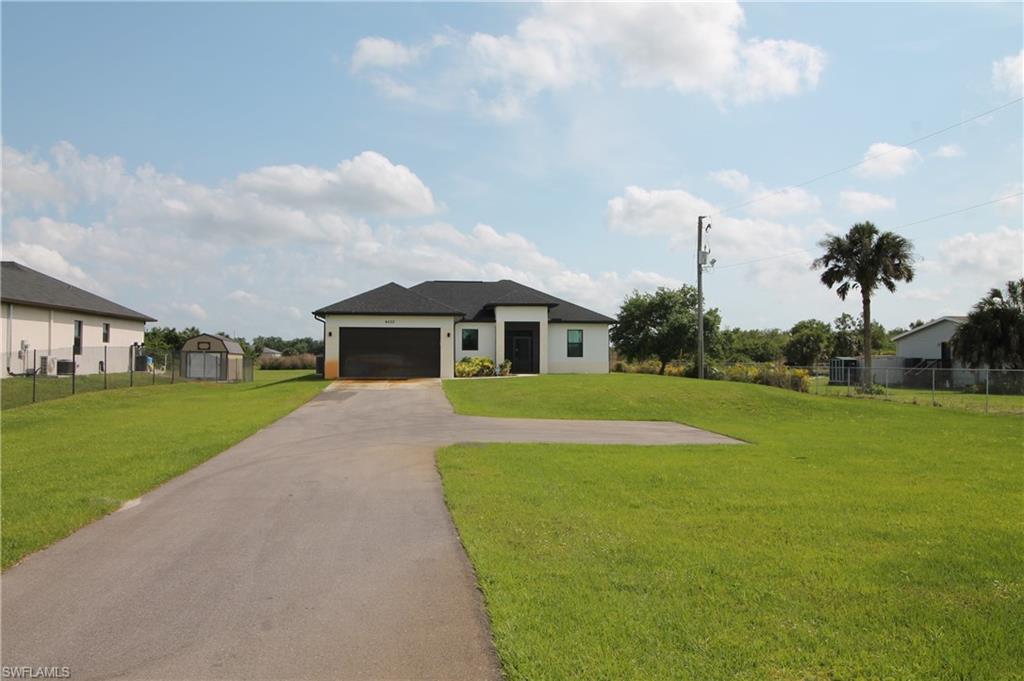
(36, 376)
(981, 390)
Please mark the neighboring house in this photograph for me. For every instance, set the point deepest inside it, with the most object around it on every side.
(398, 332)
(921, 350)
(47, 320)
(270, 352)
(930, 341)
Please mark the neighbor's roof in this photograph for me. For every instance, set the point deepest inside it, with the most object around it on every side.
(25, 286)
(472, 300)
(270, 351)
(956, 319)
(390, 299)
(477, 299)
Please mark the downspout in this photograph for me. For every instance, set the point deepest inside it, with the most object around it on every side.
(323, 321)
(10, 333)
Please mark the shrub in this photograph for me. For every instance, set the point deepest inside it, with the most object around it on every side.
(505, 368)
(475, 366)
(776, 375)
(304, 361)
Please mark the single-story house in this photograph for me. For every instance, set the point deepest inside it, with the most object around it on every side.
(423, 330)
(210, 357)
(919, 351)
(47, 320)
(270, 352)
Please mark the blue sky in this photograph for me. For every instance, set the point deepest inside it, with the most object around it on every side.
(236, 166)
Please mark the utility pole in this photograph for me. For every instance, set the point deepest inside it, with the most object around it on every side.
(702, 264)
(700, 297)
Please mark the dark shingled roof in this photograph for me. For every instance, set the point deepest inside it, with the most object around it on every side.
(477, 300)
(25, 286)
(390, 299)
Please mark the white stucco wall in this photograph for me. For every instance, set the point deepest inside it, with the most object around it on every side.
(522, 313)
(51, 333)
(595, 349)
(334, 322)
(927, 343)
(485, 348)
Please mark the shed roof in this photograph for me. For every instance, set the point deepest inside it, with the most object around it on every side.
(230, 345)
(25, 286)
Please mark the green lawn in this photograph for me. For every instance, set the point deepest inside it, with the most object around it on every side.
(852, 539)
(17, 391)
(70, 461)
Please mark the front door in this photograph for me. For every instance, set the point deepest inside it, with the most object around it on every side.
(522, 354)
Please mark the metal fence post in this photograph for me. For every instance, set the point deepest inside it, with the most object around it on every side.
(74, 371)
(848, 374)
(154, 370)
(131, 368)
(887, 383)
(933, 386)
(170, 359)
(35, 370)
(987, 372)
(105, 370)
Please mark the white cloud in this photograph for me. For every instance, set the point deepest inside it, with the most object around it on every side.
(1008, 74)
(948, 151)
(29, 182)
(276, 243)
(997, 255)
(731, 179)
(778, 203)
(193, 310)
(853, 201)
(883, 161)
(380, 52)
(763, 201)
(687, 47)
(51, 262)
(368, 183)
(672, 213)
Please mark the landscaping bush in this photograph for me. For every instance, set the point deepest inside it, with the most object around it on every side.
(776, 375)
(304, 361)
(505, 368)
(475, 366)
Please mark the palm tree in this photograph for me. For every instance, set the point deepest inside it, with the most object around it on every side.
(865, 258)
(993, 334)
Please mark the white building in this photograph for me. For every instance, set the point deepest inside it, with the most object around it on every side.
(47, 321)
(921, 350)
(424, 330)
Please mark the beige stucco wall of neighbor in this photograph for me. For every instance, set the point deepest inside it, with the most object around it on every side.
(595, 349)
(927, 344)
(334, 322)
(485, 347)
(52, 333)
(521, 313)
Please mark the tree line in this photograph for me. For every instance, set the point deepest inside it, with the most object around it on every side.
(167, 339)
(662, 324)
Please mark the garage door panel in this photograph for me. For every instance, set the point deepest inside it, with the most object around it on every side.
(389, 353)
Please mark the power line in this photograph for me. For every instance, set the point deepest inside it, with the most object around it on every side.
(903, 226)
(911, 143)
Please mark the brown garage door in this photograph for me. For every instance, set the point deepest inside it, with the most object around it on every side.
(389, 353)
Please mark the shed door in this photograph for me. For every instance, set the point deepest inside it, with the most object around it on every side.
(389, 353)
(206, 365)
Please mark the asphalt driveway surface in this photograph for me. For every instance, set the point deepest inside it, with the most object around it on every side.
(319, 548)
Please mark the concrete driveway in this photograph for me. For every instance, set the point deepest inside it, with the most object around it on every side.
(319, 548)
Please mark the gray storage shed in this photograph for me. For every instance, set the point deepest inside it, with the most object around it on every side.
(210, 357)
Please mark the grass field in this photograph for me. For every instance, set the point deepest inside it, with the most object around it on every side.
(852, 539)
(70, 461)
